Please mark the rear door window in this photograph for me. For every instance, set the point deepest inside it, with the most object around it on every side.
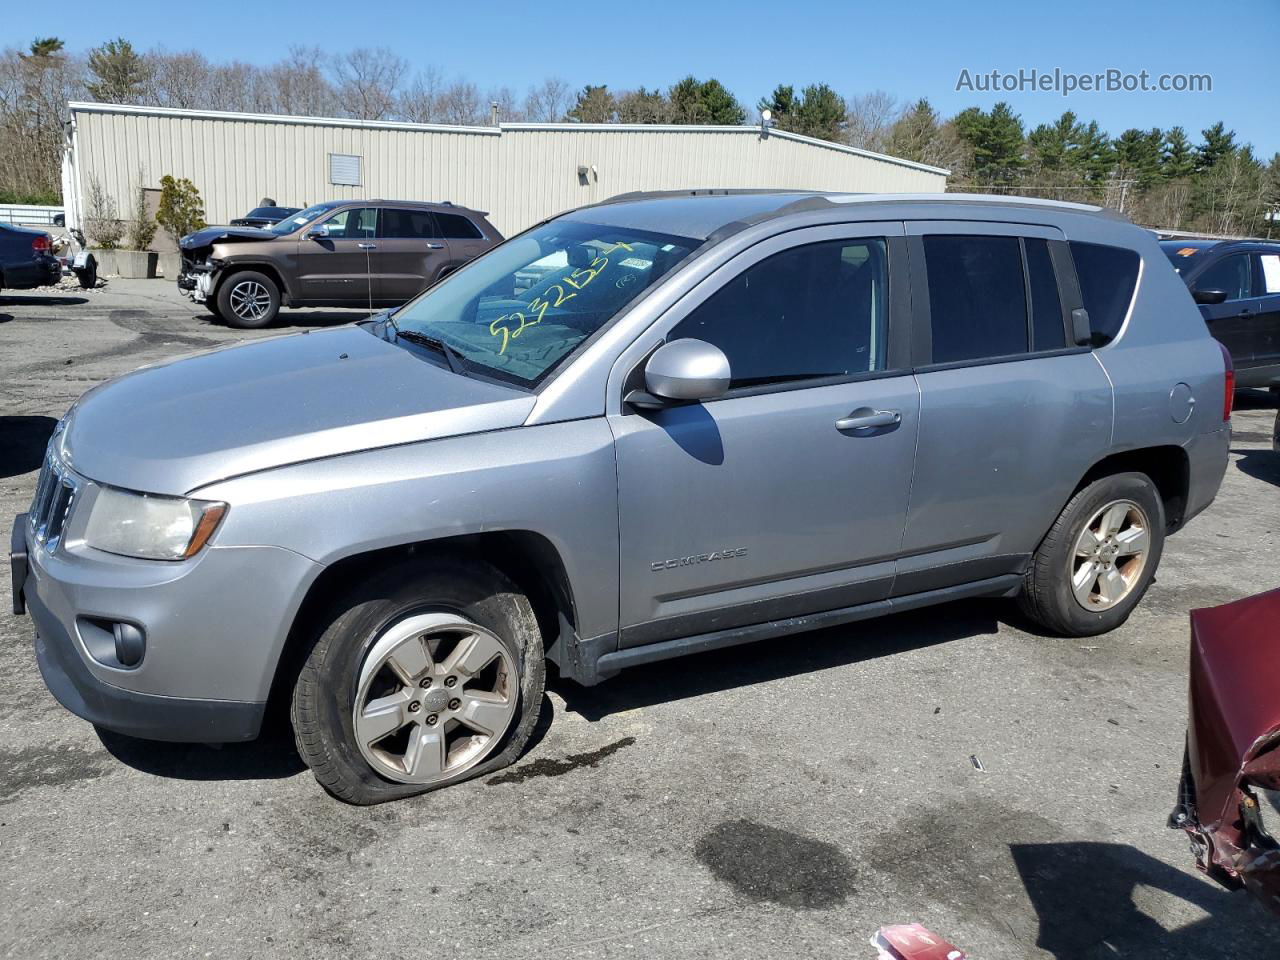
(407, 224)
(977, 297)
(1230, 274)
(1107, 276)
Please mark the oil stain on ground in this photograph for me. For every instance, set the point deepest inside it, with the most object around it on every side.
(763, 863)
(547, 767)
(32, 767)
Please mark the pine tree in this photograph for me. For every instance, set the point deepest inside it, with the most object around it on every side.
(1219, 143)
(120, 73)
(595, 105)
(1177, 158)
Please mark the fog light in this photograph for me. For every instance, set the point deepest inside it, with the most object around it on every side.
(130, 644)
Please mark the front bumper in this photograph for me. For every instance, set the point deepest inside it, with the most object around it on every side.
(214, 627)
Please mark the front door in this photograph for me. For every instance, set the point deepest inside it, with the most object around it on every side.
(769, 503)
(1233, 322)
(339, 268)
(411, 253)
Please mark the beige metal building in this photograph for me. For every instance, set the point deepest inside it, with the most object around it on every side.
(520, 172)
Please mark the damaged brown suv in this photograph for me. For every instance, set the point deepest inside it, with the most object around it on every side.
(350, 253)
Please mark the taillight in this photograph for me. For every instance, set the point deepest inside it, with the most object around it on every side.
(40, 244)
(1228, 383)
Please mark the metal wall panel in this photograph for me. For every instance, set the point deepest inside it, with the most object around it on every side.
(520, 173)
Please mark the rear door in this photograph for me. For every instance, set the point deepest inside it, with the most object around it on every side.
(411, 253)
(338, 268)
(1234, 322)
(466, 241)
(1011, 413)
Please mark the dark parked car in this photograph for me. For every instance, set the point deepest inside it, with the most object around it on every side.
(1237, 285)
(26, 259)
(347, 253)
(1233, 745)
(265, 216)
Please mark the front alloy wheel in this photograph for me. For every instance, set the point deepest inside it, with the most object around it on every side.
(250, 301)
(435, 694)
(1110, 555)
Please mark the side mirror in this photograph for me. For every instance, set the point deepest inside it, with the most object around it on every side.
(318, 233)
(1209, 297)
(683, 371)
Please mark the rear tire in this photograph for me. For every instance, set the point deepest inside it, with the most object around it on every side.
(248, 300)
(1085, 582)
(402, 637)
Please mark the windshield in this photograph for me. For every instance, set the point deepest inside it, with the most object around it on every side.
(301, 219)
(1181, 254)
(520, 309)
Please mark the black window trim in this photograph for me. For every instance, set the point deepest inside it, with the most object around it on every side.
(435, 224)
(1227, 255)
(922, 318)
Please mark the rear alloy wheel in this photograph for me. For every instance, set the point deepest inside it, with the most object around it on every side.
(1097, 560)
(248, 300)
(1110, 555)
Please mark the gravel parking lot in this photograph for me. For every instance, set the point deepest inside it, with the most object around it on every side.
(783, 799)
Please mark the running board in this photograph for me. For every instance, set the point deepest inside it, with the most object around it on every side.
(610, 663)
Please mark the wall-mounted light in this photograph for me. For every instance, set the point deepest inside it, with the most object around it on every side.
(766, 121)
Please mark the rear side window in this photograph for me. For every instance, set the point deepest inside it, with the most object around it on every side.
(977, 297)
(806, 313)
(411, 224)
(1107, 277)
(1048, 330)
(454, 227)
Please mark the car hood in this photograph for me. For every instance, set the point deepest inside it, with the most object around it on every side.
(177, 426)
(211, 235)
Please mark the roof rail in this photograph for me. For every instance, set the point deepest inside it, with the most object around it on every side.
(702, 192)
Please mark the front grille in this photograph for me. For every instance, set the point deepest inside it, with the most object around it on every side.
(55, 496)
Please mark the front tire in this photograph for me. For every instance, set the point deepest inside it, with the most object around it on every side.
(1096, 562)
(248, 300)
(425, 674)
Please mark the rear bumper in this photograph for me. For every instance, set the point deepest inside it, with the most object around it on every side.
(37, 272)
(1207, 457)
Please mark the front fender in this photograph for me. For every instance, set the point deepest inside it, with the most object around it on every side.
(557, 480)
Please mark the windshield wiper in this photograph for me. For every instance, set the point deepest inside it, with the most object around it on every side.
(454, 358)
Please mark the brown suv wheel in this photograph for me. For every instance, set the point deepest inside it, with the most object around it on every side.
(248, 300)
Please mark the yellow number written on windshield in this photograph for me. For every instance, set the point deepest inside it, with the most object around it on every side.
(553, 296)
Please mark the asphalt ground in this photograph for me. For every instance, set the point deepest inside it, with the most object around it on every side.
(786, 799)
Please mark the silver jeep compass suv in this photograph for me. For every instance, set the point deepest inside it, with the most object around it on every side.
(661, 424)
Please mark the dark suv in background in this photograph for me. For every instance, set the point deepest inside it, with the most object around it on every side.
(1237, 286)
(351, 253)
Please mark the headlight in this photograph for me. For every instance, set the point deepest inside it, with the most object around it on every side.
(151, 528)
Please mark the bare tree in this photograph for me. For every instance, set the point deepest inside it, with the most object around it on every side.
(419, 102)
(295, 85)
(177, 79)
(549, 101)
(461, 103)
(870, 118)
(368, 81)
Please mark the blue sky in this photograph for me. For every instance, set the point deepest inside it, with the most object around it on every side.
(907, 49)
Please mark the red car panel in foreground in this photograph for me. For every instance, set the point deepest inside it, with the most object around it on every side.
(1233, 744)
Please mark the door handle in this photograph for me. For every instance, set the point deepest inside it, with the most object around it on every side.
(863, 418)
(1245, 313)
(367, 246)
(435, 246)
